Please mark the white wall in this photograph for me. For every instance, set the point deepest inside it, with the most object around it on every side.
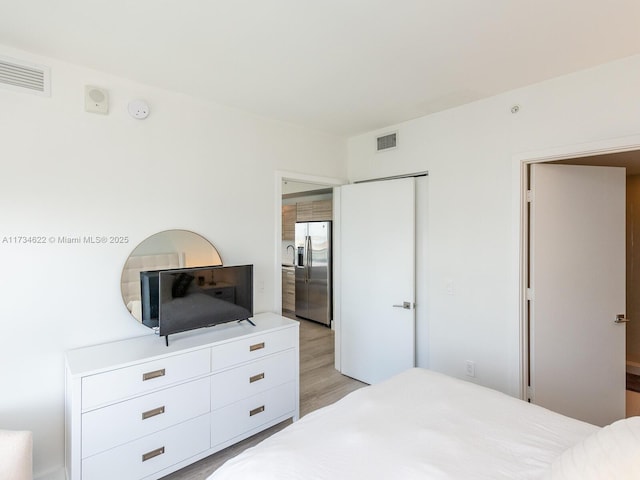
(470, 153)
(191, 165)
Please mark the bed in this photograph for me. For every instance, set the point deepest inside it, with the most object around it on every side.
(424, 425)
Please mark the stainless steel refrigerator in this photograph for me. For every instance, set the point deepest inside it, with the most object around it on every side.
(313, 271)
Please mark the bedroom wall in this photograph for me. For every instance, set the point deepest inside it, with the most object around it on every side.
(190, 164)
(471, 155)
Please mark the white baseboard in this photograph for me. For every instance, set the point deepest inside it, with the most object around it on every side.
(55, 474)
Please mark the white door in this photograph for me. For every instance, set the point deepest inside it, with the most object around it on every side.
(377, 267)
(577, 268)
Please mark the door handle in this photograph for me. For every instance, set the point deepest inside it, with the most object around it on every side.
(405, 305)
(307, 271)
(620, 318)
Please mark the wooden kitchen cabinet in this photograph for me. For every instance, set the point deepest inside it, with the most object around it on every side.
(289, 222)
(318, 210)
(289, 289)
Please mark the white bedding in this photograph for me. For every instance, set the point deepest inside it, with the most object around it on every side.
(613, 452)
(417, 425)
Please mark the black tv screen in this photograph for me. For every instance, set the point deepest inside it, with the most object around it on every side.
(190, 298)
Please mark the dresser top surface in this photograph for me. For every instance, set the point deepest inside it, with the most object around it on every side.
(107, 356)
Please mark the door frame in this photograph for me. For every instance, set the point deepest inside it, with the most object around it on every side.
(281, 176)
(520, 214)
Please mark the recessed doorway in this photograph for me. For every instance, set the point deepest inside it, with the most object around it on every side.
(630, 160)
(305, 205)
(289, 187)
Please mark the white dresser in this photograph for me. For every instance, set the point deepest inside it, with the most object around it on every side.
(137, 409)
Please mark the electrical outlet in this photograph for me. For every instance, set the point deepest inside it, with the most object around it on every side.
(449, 287)
(470, 368)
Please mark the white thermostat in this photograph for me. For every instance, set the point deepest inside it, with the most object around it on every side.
(96, 100)
(138, 109)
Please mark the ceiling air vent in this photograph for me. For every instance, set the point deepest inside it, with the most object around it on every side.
(387, 141)
(24, 77)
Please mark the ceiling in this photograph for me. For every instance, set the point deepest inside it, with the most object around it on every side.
(629, 160)
(290, 187)
(341, 66)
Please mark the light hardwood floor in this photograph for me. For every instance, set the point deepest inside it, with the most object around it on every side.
(320, 384)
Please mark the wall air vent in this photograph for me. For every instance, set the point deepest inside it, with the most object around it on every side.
(387, 141)
(25, 77)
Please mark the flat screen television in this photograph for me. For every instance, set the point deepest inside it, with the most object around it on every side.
(150, 296)
(182, 299)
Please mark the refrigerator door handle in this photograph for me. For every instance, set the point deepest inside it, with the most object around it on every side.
(308, 259)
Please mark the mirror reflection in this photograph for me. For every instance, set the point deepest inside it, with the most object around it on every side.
(168, 249)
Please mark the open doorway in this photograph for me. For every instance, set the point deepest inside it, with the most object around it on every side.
(630, 160)
(294, 189)
(307, 217)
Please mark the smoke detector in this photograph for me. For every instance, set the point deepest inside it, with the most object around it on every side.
(138, 109)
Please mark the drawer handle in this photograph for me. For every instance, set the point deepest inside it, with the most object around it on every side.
(256, 411)
(152, 453)
(255, 378)
(257, 346)
(153, 413)
(152, 375)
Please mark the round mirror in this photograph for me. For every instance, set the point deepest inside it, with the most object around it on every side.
(168, 249)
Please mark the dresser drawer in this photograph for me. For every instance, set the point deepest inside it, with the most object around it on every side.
(137, 410)
(126, 382)
(122, 422)
(150, 454)
(252, 412)
(251, 348)
(252, 378)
